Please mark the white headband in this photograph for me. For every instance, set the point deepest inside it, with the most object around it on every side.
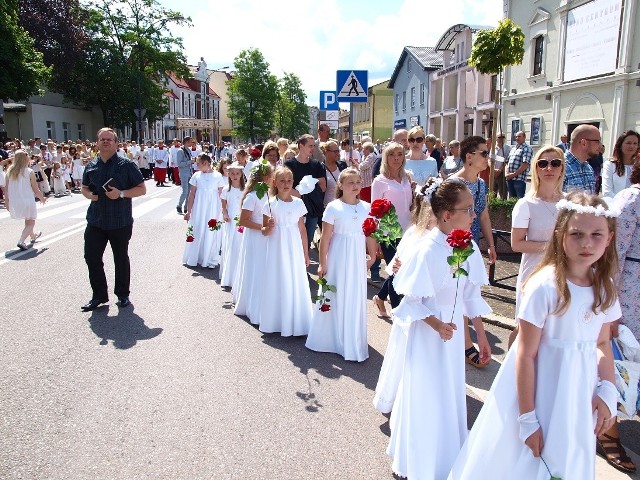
(598, 211)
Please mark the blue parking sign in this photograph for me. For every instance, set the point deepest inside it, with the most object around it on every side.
(328, 100)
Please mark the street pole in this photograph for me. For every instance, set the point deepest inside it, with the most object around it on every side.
(139, 106)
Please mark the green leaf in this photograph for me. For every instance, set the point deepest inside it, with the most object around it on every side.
(459, 272)
(261, 188)
(321, 281)
(332, 288)
(316, 298)
(452, 261)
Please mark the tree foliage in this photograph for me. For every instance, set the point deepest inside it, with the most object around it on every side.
(253, 93)
(292, 117)
(495, 49)
(57, 29)
(23, 70)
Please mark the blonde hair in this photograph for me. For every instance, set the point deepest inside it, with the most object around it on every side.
(344, 174)
(280, 171)
(535, 177)
(416, 129)
(421, 213)
(604, 269)
(384, 166)
(20, 162)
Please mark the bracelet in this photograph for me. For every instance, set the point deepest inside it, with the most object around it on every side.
(492, 246)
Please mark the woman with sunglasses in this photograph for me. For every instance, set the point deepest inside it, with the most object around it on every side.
(534, 216)
(419, 165)
(475, 156)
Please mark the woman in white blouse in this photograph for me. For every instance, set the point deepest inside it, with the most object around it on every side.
(616, 170)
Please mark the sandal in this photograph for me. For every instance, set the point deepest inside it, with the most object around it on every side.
(379, 303)
(472, 357)
(614, 453)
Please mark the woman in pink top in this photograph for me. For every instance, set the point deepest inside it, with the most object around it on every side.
(393, 184)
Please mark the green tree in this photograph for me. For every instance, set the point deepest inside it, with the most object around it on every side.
(253, 93)
(23, 70)
(125, 60)
(493, 51)
(292, 117)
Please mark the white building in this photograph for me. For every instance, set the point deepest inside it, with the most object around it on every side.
(461, 100)
(581, 65)
(51, 117)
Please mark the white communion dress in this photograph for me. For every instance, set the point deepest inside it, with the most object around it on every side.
(566, 380)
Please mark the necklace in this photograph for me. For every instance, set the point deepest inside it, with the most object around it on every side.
(355, 209)
(552, 210)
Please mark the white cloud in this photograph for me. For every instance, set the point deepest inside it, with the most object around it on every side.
(314, 39)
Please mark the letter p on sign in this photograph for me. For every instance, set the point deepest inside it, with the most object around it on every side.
(328, 100)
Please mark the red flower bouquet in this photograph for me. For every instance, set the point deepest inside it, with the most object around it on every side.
(382, 223)
(322, 297)
(214, 224)
(190, 237)
(460, 240)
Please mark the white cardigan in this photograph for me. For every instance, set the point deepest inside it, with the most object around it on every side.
(612, 183)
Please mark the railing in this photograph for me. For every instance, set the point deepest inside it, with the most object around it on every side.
(504, 237)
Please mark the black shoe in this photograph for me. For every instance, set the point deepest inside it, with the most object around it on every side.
(179, 209)
(157, 184)
(123, 302)
(93, 304)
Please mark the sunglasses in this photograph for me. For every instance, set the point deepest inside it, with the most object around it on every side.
(416, 139)
(555, 163)
(469, 210)
(484, 153)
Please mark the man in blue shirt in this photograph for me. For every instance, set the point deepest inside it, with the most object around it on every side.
(518, 166)
(110, 182)
(585, 143)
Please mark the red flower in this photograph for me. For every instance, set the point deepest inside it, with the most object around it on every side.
(212, 223)
(325, 307)
(459, 238)
(190, 238)
(379, 207)
(240, 229)
(369, 226)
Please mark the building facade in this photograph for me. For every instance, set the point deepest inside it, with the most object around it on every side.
(374, 117)
(410, 83)
(581, 65)
(51, 117)
(461, 100)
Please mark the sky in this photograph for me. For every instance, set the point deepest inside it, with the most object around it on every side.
(315, 38)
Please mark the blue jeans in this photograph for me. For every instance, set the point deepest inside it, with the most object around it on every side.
(185, 176)
(516, 188)
(310, 224)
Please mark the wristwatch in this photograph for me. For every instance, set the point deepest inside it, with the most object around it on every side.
(121, 193)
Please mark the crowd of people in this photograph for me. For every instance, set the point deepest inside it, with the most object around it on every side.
(256, 211)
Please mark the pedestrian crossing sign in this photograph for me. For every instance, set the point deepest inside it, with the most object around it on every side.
(351, 85)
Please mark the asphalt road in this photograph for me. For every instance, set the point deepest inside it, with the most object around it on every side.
(175, 387)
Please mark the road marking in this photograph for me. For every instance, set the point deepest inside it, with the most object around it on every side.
(148, 206)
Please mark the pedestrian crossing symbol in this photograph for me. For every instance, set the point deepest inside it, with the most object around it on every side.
(351, 85)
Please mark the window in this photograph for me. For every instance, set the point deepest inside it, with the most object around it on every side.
(413, 97)
(409, 62)
(65, 131)
(538, 51)
(397, 101)
(422, 94)
(404, 101)
(81, 132)
(51, 130)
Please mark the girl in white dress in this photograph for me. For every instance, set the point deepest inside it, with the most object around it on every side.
(77, 167)
(429, 418)
(202, 207)
(546, 401)
(20, 189)
(287, 259)
(391, 370)
(59, 189)
(251, 276)
(231, 233)
(343, 262)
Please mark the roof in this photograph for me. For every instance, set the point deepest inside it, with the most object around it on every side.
(170, 94)
(447, 37)
(191, 84)
(427, 57)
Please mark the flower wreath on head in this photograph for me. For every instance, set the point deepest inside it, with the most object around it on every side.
(599, 211)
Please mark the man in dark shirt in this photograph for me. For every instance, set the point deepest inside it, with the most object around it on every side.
(302, 165)
(110, 182)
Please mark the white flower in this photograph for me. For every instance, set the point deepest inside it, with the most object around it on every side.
(306, 185)
(598, 211)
